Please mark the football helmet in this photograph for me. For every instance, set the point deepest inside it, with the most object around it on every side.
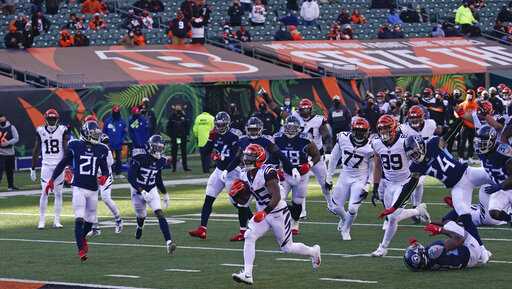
(91, 132)
(51, 118)
(387, 127)
(416, 117)
(428, 93)
(254, 156)
(505, 93)
(480, 90)
(485, 107)
(485, 139)
(380, 97)
(254, 127)
(156, 146)
(415, 257)
(305, 108)
(291, 126)
(222, 122)
(457, 93)
(360, 130)
(415, 148)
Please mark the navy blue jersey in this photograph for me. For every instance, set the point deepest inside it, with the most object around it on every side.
(264, 141)
(495, 162)
(438, 258)
(85, 159)
(440, 164)
(226, 146)
(295, 149)
(145, 172)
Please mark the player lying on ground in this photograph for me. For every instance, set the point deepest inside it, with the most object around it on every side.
(459, 251)
(262, 182)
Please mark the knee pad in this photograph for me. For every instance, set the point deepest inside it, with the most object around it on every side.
(352, 209)
(80, 220)
(295, 210)
(159, 214)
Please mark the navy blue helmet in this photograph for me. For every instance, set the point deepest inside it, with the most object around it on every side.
(415, 257)
(222, 122)
(156, 146)
(415, 148)
(291, 126)
(254, 127)
(91, 132)
(485, 139)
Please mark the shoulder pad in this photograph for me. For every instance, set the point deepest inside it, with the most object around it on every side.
(278, 134)
(435, 251)
(304, 135)
(236, 132)
(73, 141)
(267, 137)
(504, 149)
(343, 134)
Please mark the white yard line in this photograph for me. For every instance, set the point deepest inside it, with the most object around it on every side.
(232, 265)
(182, 270)
(349, 280)
(67, 283)
(293, 259)
(123, 276)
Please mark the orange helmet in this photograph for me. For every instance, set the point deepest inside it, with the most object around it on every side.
(305, 107)
(51, 117)
(485, 107)
(387, 127)
(360, 130)
(416, 117)
(427, 92)
(480, 89)
(254, 156)
(506, 91)
(501, 86)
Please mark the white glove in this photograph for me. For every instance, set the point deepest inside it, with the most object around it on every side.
(166, 201)
(224, 176)
(295, 175)
(146, 195)
(328, 179)
(33, 175)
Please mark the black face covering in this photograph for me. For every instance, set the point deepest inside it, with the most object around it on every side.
(263, 108)
(2, 123)
(336, 104)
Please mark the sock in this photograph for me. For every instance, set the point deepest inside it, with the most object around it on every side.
(295, 210)
(207, 210)
(417, 195)
(140, 222)
(249, 254)
(347, 224)
(327, 195)
(87, 228)
(300, 249)
(470, 227)
(244, 215)
(406, 214)
(112, 207)
(389, 233)
(451, 216)
(58, 206)
(164, 227)
(303, 213)
(79, 232)
(43, 204)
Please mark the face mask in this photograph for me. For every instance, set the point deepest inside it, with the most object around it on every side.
(336, 104)
(2, 123)
(287, 102)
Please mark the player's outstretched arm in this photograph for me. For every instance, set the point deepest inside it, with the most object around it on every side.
(278, 154)
(160, 183)
(132, 174)
(451, 133)
(455, 240)
(407, 190)
(335, 157)
(66, 161)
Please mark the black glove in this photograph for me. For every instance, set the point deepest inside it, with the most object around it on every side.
(364, 194)
(328, 186)
(375, 194)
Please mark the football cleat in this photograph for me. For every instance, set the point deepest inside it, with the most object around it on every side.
(94, 232)
(171, 247)
(40, 226)
(241, 277)
(316, 259)
(380, 252)
(85, 246)
(57, 225)
(200, 232)
(345, 235)
(424, 215)
(83, 255)
(340, 225)
(119, 226)
(485, 255)
(138, 232)
(240, 236)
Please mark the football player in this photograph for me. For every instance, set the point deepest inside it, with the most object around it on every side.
(316, 127)
(145, 178)
(85, 156)
(106, 195)
(51, 143)
(459, 251)
(262, 182)
(223, 146)
(298, 149)
(391, 172)
(354, 149)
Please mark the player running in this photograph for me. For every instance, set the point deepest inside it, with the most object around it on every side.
(316, 127)
(145, 178)
(84, 156)
(459, 251)
(391, 172)
(297, 148)
(261, 181)
(355, 151)
(51, 143)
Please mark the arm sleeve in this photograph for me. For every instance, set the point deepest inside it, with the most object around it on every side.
(407, 190)
(160, 183)
(15, 137)
(132, 173)
(335, 157)
(236, 159)
(66, 160)
(104, 167)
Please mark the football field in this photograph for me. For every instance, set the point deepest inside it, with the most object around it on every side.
(120, 260)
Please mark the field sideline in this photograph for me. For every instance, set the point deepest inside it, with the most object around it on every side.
(120, 260)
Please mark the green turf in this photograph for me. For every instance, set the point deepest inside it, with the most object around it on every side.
(58, 262)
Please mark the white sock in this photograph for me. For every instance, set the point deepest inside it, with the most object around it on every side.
(43, 204)
(327, 195)
(417, 195)
(303, 213)
(58, 206)
(112, 207)
(349, 221)
(300, 249)
(249, 255)
(406, 214)
(389, 233)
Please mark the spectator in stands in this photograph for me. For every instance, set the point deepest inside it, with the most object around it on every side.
(243, 35)
(28, 36)
(66, 40)
(344, 17)
(96, 23)
(410, 15)
(19, 22)
(385, 32)
(9, 6)
(40, 24)
(246, 5)
(132, 21)
(258, 14)
(138, 131)
(128, 39)
(138, 38)
(179, 29)
(228, 37)
(505, 14)
(142, 5)
(178, 128)
(383, 4)
(92, 7)
(187, 7)
(115, 128)
(197, 31)
(202, 10)
(156, 6)
(397, 31)
(8, 139)
(72, 21)
(147, 20)
(438, 31)
(357, 18)
(268, 119)
(309, 12)
(37, 6)
(203, 124)
(80, 39)
(346, 32)
(52, 7)
(13, 39)
(334, 32)
(292, 6)
(464, 17)
(339, 117)
(294, 32)
(393, 17)
(290, 19)
(282, 34)
(235, 13)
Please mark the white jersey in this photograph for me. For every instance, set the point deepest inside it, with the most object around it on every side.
(52, 149)
(258, 188)
(355, 160)
(427, 132)
(110, 162)
(394, 162)
(312, 128)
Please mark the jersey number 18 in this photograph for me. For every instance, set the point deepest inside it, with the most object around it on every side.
(51, 146)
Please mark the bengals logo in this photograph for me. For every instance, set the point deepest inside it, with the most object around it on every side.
(175, 62)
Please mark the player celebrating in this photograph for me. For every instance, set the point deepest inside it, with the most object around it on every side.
(391, 172)
(261, 181)
(145, 178)
(297, 148)
(354, 149)
(315, 126)
(459, 251)
(51, 142)
(85, 156)
(223, 145)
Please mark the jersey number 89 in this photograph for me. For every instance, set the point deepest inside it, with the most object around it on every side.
(391, 162)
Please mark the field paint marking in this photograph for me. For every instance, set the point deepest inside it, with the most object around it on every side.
(293, 259)
(123, 276)
(494, 239)
(183, 270)
(68, 283)
(233, 265)
(349, 280)
(343, 255)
